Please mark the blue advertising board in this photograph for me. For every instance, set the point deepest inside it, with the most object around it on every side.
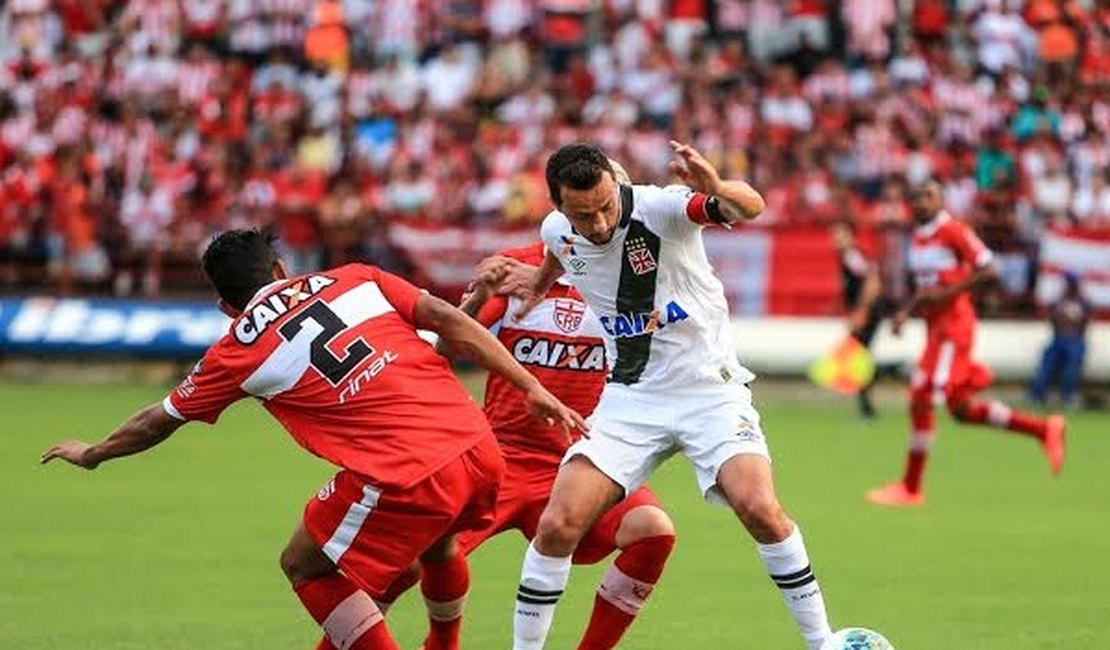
(77, 326)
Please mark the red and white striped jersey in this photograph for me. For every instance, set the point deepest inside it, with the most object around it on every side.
(560, 342)
(158, 19)
(867, 22)
(945, 252)
(961, 104)
(203, 15)
(195, 79)
(334, 356)
(826, 83)
(876, 150)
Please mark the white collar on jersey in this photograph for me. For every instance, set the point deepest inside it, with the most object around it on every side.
(931, 228)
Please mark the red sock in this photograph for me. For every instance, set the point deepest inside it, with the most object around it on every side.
(445, 586)
(347, 614)
(403, 583)
(1000, 416)
(921, 439)
(624, 589)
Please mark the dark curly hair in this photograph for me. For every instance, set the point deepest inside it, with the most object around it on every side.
(238, 263)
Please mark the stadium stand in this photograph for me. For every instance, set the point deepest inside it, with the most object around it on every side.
(131, 131)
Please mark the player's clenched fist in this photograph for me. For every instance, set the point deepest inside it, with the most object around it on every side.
(694, 170)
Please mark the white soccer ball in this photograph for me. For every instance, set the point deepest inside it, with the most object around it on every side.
(857, 638)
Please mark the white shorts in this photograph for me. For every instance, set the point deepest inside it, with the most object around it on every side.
(632, 432)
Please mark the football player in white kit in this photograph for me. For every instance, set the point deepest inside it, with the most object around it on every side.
(635, 253)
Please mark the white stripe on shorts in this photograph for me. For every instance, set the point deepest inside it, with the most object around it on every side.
(345, 534)
(943, 371)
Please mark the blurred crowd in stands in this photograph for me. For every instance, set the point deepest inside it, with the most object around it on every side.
(130, 131)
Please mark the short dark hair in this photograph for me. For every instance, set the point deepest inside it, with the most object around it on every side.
(578, 166)
(238, 263)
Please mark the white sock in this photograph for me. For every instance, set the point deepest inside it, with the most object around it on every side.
(542, 580)
(788, 565)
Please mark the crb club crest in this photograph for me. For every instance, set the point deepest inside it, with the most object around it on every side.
(568, 315)
(640, 257)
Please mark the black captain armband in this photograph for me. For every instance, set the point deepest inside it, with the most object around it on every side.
(706, 209)
(715, 213)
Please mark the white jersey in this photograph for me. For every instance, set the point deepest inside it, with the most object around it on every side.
(661, 305)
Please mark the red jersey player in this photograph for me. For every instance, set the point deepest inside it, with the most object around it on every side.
(335, 357)
(947, 261)
(560, 343)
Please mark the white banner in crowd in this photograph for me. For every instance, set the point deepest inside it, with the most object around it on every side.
(1084, 254)
(447, 255)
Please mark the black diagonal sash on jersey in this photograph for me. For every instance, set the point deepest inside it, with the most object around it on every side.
(635, 294)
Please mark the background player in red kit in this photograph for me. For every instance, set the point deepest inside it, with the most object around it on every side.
(947, 261)
(334, 356)
(561, 344)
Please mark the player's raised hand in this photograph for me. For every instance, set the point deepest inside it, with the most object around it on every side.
(489, 274)
(518, 279)
(694, 170)
(71, 451)
(543, 404)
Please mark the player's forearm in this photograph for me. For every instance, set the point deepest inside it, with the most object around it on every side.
(471, 305)
(467, 338)
(140, 432)
(984, 276)
(740, 201)
(550, 271)
(987, 275)
(474, 302)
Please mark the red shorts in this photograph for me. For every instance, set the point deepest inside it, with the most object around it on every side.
(947, 373)
(374, 535)
(523, 496)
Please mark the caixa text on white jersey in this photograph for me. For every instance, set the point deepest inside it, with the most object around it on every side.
(635, 323)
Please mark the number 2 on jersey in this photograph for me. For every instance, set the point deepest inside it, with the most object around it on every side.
(334, 369)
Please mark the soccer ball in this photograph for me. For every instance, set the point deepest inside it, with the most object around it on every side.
(857, 638)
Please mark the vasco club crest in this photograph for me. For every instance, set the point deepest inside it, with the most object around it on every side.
(640, 257)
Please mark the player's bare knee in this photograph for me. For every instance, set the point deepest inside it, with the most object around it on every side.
(644, 522)
(292, 565)
(560, 529)
(302, 561)
(763, 516)
(442, 550)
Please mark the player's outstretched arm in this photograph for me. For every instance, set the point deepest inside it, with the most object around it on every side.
(739, 201)
(466, 337)
(140, 432)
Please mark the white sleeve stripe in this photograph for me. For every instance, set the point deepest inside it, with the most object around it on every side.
(167, 404)
(984, 258)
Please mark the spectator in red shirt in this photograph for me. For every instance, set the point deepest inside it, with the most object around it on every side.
(298, 196)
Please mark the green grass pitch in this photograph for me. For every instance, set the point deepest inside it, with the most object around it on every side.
(178, 549)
